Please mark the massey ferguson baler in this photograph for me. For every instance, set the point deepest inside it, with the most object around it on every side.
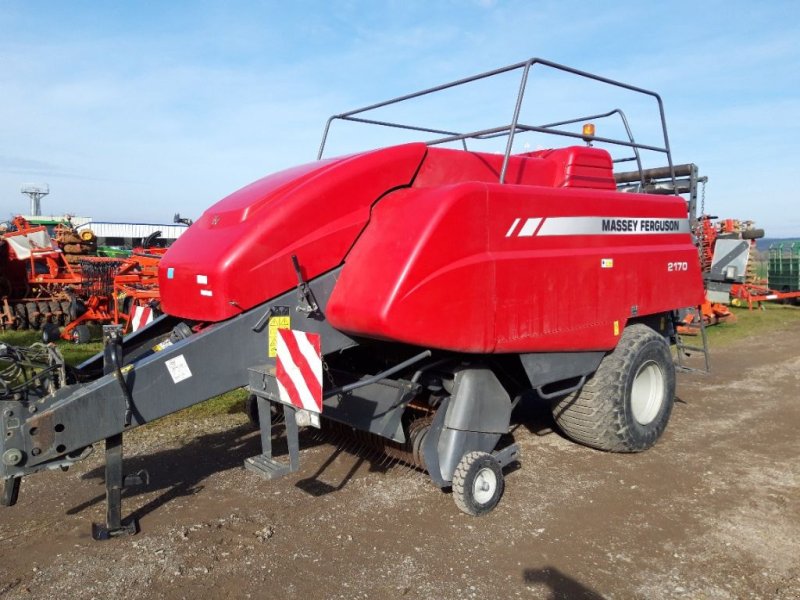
(414, 293)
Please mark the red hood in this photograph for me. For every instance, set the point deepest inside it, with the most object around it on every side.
(238, 254)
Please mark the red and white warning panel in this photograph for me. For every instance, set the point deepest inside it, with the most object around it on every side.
(299, 369)
(142, 315)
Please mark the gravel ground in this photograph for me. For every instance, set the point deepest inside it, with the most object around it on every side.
(711, 512)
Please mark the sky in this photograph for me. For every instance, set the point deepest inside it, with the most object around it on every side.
(133, 111)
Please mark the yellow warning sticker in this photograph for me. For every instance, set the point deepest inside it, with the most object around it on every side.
(276, 323)
(161, 346)
(616, 327)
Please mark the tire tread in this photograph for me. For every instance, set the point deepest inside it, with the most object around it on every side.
(589, 416)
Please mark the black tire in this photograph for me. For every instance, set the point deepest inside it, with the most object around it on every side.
(50, 333)
(55, 311)
(44, 310)
(607, 412)
(65, 319)
(81, 335)
(251, 410)
(76, 308)
(22, 316)
(34, 315)
(478, 483)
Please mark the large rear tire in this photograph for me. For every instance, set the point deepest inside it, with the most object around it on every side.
(625, 406)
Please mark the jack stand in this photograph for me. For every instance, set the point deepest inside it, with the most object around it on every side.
(115, 483)
(115, 480)
(264, 464)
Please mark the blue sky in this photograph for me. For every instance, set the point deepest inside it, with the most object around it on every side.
(137, 110)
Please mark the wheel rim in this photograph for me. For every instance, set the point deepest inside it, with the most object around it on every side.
(647, 393)
(484, 486)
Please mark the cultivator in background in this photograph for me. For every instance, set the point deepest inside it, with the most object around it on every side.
(136, 291)
(52, 282)
(33, 279)
(92, 300)
(413, 293)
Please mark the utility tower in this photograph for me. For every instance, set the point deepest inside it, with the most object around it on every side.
(36, 191)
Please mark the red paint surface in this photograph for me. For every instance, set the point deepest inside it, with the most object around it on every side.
(432, 265)
(243, 244)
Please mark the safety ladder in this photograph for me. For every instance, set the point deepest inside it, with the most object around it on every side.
(684, 350)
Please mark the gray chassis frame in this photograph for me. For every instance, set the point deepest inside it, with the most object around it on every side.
(58, 430)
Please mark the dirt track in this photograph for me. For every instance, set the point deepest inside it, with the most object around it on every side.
(713, 511)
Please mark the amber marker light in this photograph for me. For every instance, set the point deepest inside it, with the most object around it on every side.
(588, 132)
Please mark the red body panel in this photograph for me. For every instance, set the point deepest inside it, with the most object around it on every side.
(459, 278)
(450, 258)
(238, 254)
(576, 166)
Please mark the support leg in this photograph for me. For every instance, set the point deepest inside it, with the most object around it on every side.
(264, 464)
(292, 437)
(114, 485)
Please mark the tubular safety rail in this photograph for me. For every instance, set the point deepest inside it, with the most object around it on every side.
(515, 126)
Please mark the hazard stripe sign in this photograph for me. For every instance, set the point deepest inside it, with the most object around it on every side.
(142, 315)
(299, 369)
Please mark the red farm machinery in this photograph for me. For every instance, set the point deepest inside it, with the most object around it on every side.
(55, 284)
(728, 256)
(413, 294)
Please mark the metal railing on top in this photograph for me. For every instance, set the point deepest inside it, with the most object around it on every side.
(515, 126)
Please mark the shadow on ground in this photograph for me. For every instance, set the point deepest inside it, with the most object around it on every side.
(560, 585)
(181, 471)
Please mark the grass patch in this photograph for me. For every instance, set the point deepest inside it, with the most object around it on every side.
(74, 354)
(752, 323)
(224, 404)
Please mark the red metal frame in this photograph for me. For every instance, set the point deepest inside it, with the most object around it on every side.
(756, 294)
(137, 280)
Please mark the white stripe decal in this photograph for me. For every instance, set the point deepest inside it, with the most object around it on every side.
(142, 315)
(553, 226)
(306, 398)
(513, 227)
(310, 354)
(529, 228)
(283, 393)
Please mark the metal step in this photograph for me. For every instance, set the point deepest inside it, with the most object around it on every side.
(265, 464)
(683, 351)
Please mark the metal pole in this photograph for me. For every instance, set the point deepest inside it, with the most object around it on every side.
(515, 119)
